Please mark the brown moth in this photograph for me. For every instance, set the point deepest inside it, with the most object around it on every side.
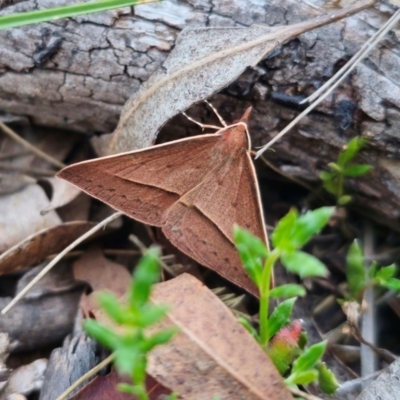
(194, 189)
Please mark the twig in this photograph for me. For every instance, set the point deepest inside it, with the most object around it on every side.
(365, 49)
(24, 170)
(382, 32)
(142, 248)
(29, 146)
(355, 385)
(51, 264)
(86, 376)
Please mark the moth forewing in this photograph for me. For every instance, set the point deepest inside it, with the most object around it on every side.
(157, 186)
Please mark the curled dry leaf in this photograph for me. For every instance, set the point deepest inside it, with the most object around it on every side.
(212, 355)
(63, 193)
(203, 61)
(20, 215)
(37, 247)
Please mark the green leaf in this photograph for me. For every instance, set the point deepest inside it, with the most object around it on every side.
(309, 358)
(335, 168)
(343, 200)
(331, 187)
(351, 150)
(302, 378)
(287, 291)
(326, 379)
(385, 273)
(392, 284)
(104, 335)
(303, 264)
(280, 317)
(357, 170)
(109, 302)
(128, 359)
(127, 388)
(158, 338)
(249, 328)
(256, 246)
(145, 275)
(252, 250)
(151, 314)
(34, 17)
(310, 224)
(355, 269)
(281, 235)
(326, 176)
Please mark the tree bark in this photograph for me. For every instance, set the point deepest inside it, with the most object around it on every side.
(77, 73)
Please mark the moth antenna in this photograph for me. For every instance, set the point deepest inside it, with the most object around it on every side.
(216, 113)
(202, 126)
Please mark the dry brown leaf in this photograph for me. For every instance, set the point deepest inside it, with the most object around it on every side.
(20, 215)
(203, 61)
(37, 247)
(101, 273)
(212, 355)
(63, 193)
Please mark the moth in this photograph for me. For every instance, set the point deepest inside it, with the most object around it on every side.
(194, 189)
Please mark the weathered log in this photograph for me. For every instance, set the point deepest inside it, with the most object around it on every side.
(77, 74)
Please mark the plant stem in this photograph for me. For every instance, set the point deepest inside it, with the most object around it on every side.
(340, 186)
(264, 295)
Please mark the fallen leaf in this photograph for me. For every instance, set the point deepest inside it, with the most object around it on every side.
(101, 273)
(37, 247)
(62, 193)
(212, 355)
(26, 379)
(105, 388)
(20, 215)
(203, 61)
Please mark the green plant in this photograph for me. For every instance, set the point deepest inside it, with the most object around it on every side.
(130, 340)
(357, 278)
(333, 180)
(277, 336)
(34, 17)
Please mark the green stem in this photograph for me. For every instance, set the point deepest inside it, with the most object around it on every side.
(264, 295)
(340, 186)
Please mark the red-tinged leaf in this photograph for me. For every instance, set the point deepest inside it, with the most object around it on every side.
(105, 388)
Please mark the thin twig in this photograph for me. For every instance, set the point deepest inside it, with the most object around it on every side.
(365, 49)
(382, 32)
(142, 248)
(30, 147)
(355, 385)
(85, 377)
(23, 170)
(52, 263)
